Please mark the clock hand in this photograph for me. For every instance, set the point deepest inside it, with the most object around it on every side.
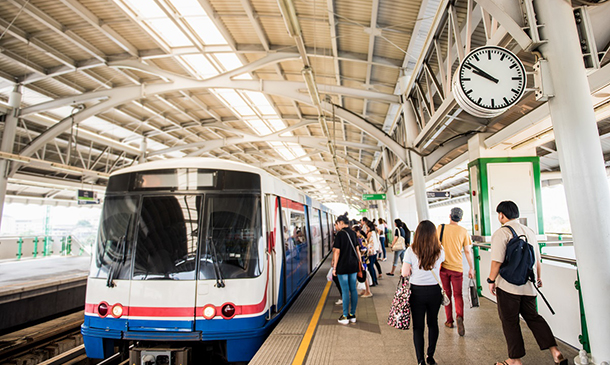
(482, 73)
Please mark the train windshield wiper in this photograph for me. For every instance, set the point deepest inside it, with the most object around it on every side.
(116, 265)
(220, 283)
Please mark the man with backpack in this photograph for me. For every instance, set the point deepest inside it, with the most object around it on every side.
(455, 239)
(514, 253)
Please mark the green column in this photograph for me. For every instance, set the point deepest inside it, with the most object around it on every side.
(35, 253)
(584, 337)
(19, 248)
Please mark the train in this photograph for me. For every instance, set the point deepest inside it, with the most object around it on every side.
(198, 257)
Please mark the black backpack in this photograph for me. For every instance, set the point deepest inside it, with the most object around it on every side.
(517, 267)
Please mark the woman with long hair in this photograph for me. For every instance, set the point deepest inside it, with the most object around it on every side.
(422, 264)
(401, 230)
(382, 227)
(372, 239)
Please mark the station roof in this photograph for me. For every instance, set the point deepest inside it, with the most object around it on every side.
(306, 89)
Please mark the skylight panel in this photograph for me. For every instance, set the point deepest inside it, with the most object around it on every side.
(245, 76)
(187, 7)
(259, 126)
(277, 124)
(296, 149)
(107, 128)
(303, 169)
(244, 111)
(146, 8)
(229, 61)
(170, 32)
(201, 64)
(31, 97)
(261, 103)
(284, 152)
(205, 29)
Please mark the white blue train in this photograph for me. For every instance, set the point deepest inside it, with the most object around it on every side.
(199, 253)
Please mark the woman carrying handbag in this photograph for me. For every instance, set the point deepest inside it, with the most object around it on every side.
(422, 263)
(347, 267)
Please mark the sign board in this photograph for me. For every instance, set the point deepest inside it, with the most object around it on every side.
(373, 196)
(373, 206)
(86, 197)
(363, 210)
(438, 194)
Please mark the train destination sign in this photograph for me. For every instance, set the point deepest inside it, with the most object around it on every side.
(438, 194)
(373, 196)
(85, 197)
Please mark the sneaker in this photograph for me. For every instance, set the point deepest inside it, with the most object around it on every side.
(430, 360)
(351, 318)
(343, 320)
(460, 325)
(389, 274)
(339, 302)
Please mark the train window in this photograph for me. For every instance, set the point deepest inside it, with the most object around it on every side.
(232, 240)
(168, 231)
(115, 238)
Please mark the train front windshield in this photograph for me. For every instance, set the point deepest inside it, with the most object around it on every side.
(189, 224)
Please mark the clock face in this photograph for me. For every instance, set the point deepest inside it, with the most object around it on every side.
(491, 78)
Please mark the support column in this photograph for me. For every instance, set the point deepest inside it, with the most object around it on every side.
(417, 165)
(143, 148)
(582, 166)
(391, 199)
(8, 141)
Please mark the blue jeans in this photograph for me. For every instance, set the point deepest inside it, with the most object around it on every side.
(371, 267)
(348, 288)
(399, 255)
(382, 241)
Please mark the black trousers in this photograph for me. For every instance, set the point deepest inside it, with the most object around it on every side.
(509, 308)
(425, 303)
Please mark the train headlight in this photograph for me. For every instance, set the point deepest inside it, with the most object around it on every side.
(102, 309)
(117, 310)
(209, 311)
(228, 311)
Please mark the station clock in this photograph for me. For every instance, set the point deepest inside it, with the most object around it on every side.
(488, 81)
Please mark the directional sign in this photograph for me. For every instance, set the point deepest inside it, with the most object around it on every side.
(373, 206)
(373, 196)
(438, 194)
(363, 210)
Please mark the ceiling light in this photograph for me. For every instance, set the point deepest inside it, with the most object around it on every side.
(289, 14)
(310, 82)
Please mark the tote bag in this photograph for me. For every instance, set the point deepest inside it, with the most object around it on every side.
(400, 311)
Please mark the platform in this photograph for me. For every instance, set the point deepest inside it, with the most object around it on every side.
(35, 289)
(299, 339)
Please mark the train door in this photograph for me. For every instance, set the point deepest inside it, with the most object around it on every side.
(294, 237)
(162, 295)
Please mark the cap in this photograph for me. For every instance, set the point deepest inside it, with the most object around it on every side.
(456, 214)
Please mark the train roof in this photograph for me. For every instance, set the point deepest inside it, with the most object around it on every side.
(216, 163)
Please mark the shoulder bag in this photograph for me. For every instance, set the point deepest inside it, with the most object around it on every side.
(446, 301)
(360, 277)
(399, 245)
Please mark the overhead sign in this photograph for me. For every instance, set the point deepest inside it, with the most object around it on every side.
(86, 197)
(363, 210)
(438, 194)
(373, 196)
(373, 206)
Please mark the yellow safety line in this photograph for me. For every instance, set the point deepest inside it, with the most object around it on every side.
(302, 351)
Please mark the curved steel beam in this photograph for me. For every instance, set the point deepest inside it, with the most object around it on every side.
(356, 181)
(441, 152)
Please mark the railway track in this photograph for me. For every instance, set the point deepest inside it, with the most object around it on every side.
(39, 343)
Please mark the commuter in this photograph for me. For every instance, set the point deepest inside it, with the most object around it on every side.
(364, 225)
(514, 300)
(366, 293)
(346, 262)
(401, 230)
(454, 238)
(382, 229)
(422, 264)
(336, 279)
(372, 239)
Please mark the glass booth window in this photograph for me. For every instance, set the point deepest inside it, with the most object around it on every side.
(167, 238)
(115, 238)
(233, 227)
